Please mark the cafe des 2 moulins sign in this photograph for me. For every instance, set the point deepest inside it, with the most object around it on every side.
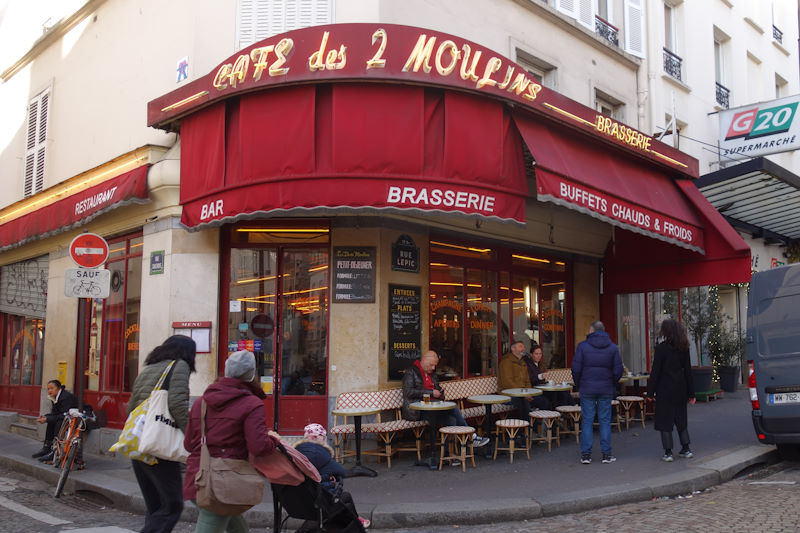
(398, 54)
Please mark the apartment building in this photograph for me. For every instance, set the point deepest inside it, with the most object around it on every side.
(336, 186)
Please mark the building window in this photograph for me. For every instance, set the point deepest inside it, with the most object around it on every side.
(259, 19)
(634, 27)
(583, 11)
(608, 105)
(112, 362)
(540, 70)
(720, 46)
(36, 143)
(781, 86)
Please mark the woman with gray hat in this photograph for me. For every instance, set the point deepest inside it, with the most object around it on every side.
(161, 483)
(236, 425)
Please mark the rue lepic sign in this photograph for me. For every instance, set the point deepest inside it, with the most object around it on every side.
(89, 251)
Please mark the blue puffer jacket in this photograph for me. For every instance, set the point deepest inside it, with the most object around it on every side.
(597, 365)
(321, 456)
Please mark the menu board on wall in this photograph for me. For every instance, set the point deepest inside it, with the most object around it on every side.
(405, 332)
(354, 274)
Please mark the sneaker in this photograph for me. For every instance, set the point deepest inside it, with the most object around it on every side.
(478, 442)
(686, 453)
(364, 522)
(455, 462)
(586, 458)
(667, 457)
(608, 458)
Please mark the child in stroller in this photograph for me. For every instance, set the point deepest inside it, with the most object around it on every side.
(314, 447)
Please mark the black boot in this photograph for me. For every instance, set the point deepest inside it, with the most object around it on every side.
(47, 458)
(44, 451)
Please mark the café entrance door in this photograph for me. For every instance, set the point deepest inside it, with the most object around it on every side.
(277, 307)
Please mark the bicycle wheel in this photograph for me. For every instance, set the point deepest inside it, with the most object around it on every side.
(62, 479)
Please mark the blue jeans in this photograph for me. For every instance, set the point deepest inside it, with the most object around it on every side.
(601, 405)
(451, 417)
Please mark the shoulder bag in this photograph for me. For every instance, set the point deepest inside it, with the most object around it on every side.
(225, 486)
(129, 439)
(161, 436)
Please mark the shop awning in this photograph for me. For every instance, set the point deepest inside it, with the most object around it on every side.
(582, 175)
(72, 210)
(757, 196)
(326, 148)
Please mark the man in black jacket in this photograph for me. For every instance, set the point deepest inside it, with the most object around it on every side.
(63, 401)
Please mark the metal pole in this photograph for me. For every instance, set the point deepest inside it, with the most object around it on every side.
(79, 378)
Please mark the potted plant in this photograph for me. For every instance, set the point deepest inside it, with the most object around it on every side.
(699, 312)
(727, 345)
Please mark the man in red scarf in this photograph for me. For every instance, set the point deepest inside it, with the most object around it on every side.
(419, 379)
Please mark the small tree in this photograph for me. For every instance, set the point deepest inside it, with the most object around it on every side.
(699, 311)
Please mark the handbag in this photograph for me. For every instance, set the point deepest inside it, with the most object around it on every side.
(161, 437)
(128, 442)
(225, 486)
(285, 466)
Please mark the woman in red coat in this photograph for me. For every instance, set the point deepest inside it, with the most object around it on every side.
(672, 386)
(236, 424)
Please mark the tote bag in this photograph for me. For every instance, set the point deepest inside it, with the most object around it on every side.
(225, 486)
(128, 442)
(161, 436)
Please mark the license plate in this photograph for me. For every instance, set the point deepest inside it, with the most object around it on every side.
(784, 397)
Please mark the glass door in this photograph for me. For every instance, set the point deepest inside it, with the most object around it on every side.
(278, 304)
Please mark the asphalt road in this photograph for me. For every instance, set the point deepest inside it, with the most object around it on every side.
(766, 500)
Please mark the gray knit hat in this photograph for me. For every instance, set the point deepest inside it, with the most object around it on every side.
(241, 365)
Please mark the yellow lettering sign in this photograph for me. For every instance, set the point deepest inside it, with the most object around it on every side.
(421, 55)
(377, 60)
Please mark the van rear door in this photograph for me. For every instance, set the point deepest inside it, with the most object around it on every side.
(773, 337)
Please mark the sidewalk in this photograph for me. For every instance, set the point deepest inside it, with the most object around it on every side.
(494, 491)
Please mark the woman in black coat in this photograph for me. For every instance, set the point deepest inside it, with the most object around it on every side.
(671, 385)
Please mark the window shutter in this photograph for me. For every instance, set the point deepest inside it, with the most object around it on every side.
(246, 23)
(23, 287)
(567, 7)
(585, 13)
(259, 19)
(634, 27)
(36, 144)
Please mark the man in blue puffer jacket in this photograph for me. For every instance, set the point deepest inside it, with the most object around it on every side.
(596, 369)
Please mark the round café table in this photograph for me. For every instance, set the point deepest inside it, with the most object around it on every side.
(525, 392)
(635, 378)
(357, 413)
(555, 387)
(487, 400)
(428, 411)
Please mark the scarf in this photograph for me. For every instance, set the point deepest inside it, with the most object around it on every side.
(427, 379)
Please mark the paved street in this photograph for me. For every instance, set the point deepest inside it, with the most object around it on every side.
(767, 500)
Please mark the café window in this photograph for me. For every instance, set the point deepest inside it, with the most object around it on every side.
(481, 299)
(112, 361)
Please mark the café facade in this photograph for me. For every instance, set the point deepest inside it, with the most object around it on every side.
(352, 195)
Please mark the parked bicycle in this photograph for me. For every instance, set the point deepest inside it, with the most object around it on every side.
(68, 446)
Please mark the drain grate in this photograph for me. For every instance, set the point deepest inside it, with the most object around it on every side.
(81, 504)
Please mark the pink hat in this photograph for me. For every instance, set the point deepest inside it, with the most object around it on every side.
(314, 432)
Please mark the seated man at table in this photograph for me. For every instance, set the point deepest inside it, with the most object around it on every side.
(418, 380)
(514, 375)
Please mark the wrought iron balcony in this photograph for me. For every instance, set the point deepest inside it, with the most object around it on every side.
(606, 31)
(672, 64)
(777, 34)
(723, 96)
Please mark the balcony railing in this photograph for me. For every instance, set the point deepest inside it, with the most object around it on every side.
(723, 96)
(672, 64)
(606, 31)
(777, 34)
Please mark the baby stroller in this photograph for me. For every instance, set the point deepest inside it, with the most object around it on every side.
(321, 510)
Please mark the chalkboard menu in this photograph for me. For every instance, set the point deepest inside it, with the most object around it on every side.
(405, 333)
(354, 274)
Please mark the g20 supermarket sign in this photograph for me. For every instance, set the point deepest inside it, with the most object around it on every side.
(759, 129)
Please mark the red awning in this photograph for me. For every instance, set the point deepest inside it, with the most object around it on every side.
(325, 148)
(76, 209)
(591, 178)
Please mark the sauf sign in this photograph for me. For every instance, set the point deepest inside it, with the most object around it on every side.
(759, 129)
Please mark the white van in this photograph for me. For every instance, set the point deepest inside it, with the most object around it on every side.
(773, 348)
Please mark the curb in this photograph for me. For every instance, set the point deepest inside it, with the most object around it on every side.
(124, 494)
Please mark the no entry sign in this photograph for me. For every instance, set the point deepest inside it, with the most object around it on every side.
(262, 326)
(88, 250)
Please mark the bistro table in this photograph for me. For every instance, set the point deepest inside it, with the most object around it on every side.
(429, 413)
(357, 413)
(487, 400)
(635, 378)
(547, 387)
